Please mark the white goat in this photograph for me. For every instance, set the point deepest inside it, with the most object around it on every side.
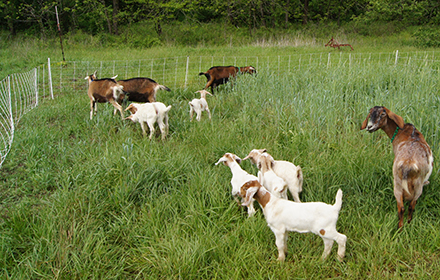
(413, 159)
(239, 176)
(284, 215)
(104, 90)
(268, 178)
(199, 105)
(290, 173)
(150, 113)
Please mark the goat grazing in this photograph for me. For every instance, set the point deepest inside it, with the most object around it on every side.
(199, 105)
(218, 75)
(290, 173)
(284, 215)
(239, 176)
(141, 89)
(103, 91)
(150, 113)
(413, 161)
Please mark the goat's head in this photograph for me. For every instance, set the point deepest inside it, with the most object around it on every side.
(228, 158)
(92, 77)
(203, 93)
(248, 69)
(379, 117)
(248, 190)
(254, 155)
(132, 108)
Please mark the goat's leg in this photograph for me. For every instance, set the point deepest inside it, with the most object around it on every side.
(400, 207)
(209, 112)
(411, 209)
(280, 242)
(191, 113)
(92, 105)
(144, 130)
(152, 130)
(341, 239)
(117, 107)
(328, 244)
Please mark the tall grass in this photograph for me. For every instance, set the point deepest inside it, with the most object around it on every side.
(93, 199)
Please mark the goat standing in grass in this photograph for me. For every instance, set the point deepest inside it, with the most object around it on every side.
(289, 172)
(284, 215)
(150, 113)
(218, 75)
(103, 91)
(199, 105)
(413, 159)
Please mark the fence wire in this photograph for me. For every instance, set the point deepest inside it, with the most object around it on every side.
(19, 93)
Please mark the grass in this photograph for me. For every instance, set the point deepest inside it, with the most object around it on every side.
(93, 199)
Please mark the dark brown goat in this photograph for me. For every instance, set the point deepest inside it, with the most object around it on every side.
(103, 91)
(218, 75)
(141, 89)
(413, 159)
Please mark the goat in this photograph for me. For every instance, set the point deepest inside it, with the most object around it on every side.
(150, 113)
(284, 215)
(199, 105)
(239, 176)
(141, 89)
(218, 75)
(268, 178)
(103, 91)
(290, 173)
(413, 160)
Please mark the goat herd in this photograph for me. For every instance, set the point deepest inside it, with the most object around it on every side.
(412, 167)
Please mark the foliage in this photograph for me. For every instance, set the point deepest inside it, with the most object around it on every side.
(108, 16)
(427, 37)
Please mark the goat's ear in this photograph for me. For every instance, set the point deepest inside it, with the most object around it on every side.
(249, 195)
(396, 118)
(237, 159)
(364, 124)
(222, 159)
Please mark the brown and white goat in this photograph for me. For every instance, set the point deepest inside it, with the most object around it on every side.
(103, 91)
(218, 75)
(413, 161)
(288, 171)
(141, 89)
(284, 215)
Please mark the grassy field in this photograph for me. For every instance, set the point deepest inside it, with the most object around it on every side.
(93, 199)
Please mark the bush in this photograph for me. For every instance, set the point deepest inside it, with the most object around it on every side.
(428, 37)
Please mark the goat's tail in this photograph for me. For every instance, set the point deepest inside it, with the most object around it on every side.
(338, 202)
(162, 87)
(406, 171)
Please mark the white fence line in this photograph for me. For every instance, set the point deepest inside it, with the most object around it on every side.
(18, 95)
(21, 92)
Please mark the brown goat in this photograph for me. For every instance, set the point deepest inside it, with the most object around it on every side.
(103, 91)
(218, 75)
(413, 161)
(141, 89)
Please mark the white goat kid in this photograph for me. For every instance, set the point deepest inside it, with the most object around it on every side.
(289, 172)
(283, 216)
(268, 178)
(199, 105)
(239, 177)
(150, 113)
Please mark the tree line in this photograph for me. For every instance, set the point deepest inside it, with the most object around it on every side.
(95, 16)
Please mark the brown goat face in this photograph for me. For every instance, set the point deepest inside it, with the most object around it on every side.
(376, 119)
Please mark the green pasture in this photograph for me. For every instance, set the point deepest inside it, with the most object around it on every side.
(93, 199)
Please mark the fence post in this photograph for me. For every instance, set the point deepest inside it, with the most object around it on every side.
(186, 72)
(36, 87)
(397, 55)
(328, 61)
(50, 77)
